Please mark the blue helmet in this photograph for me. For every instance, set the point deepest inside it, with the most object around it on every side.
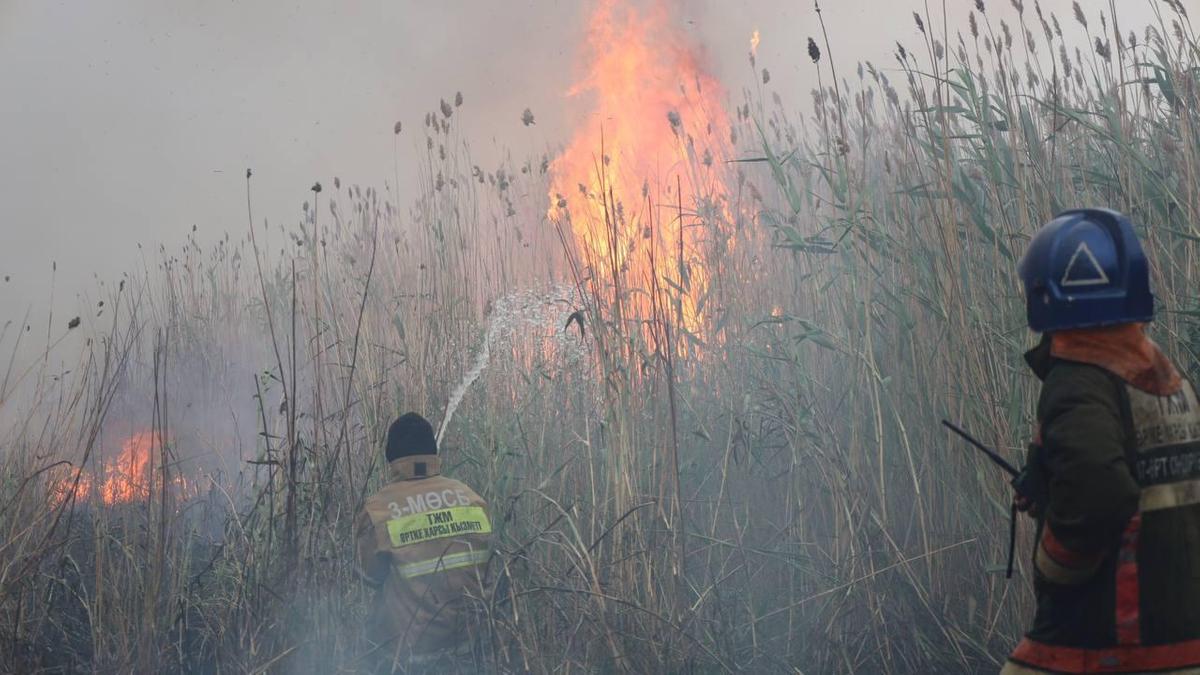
(1083, 269)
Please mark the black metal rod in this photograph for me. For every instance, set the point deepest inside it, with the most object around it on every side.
(1000, 461)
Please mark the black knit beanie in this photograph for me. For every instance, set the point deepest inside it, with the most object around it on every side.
(410, 435)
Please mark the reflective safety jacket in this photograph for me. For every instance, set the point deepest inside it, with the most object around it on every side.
(1117, 560)
(423, 541)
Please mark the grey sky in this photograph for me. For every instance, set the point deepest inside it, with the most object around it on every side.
(125, 121)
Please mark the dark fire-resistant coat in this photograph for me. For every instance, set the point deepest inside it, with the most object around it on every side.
(1117, 561)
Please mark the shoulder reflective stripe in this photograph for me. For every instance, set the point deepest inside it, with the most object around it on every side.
(444, 563)
(429, 525)
(1113, 660)
(1171, 495)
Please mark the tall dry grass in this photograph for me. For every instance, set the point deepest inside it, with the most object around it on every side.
(768, 494)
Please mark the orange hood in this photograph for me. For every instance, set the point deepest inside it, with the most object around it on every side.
(1123, 350)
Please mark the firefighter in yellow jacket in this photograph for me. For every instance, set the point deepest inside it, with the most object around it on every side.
(423, 543)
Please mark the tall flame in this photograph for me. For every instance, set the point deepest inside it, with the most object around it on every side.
(658, 122)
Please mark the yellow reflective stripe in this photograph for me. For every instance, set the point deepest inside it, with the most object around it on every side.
(444, 563)
(1170, 495)
(430, 525)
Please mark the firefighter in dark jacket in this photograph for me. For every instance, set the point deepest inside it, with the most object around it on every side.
(1117, 558)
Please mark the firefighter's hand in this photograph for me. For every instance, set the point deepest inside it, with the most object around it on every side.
(1026, 505)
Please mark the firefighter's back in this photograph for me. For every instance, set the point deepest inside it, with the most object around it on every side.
(435, 533)
(423, 540)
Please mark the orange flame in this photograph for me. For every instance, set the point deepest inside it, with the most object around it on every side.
(660, 118)
(64, 482)
(754, 40)
(128, 477)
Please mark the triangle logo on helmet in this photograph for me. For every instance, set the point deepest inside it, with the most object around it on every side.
(1083, 269)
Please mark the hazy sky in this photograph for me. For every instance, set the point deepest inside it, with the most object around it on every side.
(125, 121)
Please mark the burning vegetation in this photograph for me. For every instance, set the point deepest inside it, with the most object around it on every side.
(642, 184)
(131, 476)
(782, 503)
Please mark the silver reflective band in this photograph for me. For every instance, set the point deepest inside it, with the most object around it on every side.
(1170, 495)
(444, 563)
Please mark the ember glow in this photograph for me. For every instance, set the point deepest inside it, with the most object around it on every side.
(127, 477)
(660, 118)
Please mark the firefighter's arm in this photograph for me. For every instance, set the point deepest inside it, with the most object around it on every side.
(1033, 480)
(372, 563)
(1092, 494)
